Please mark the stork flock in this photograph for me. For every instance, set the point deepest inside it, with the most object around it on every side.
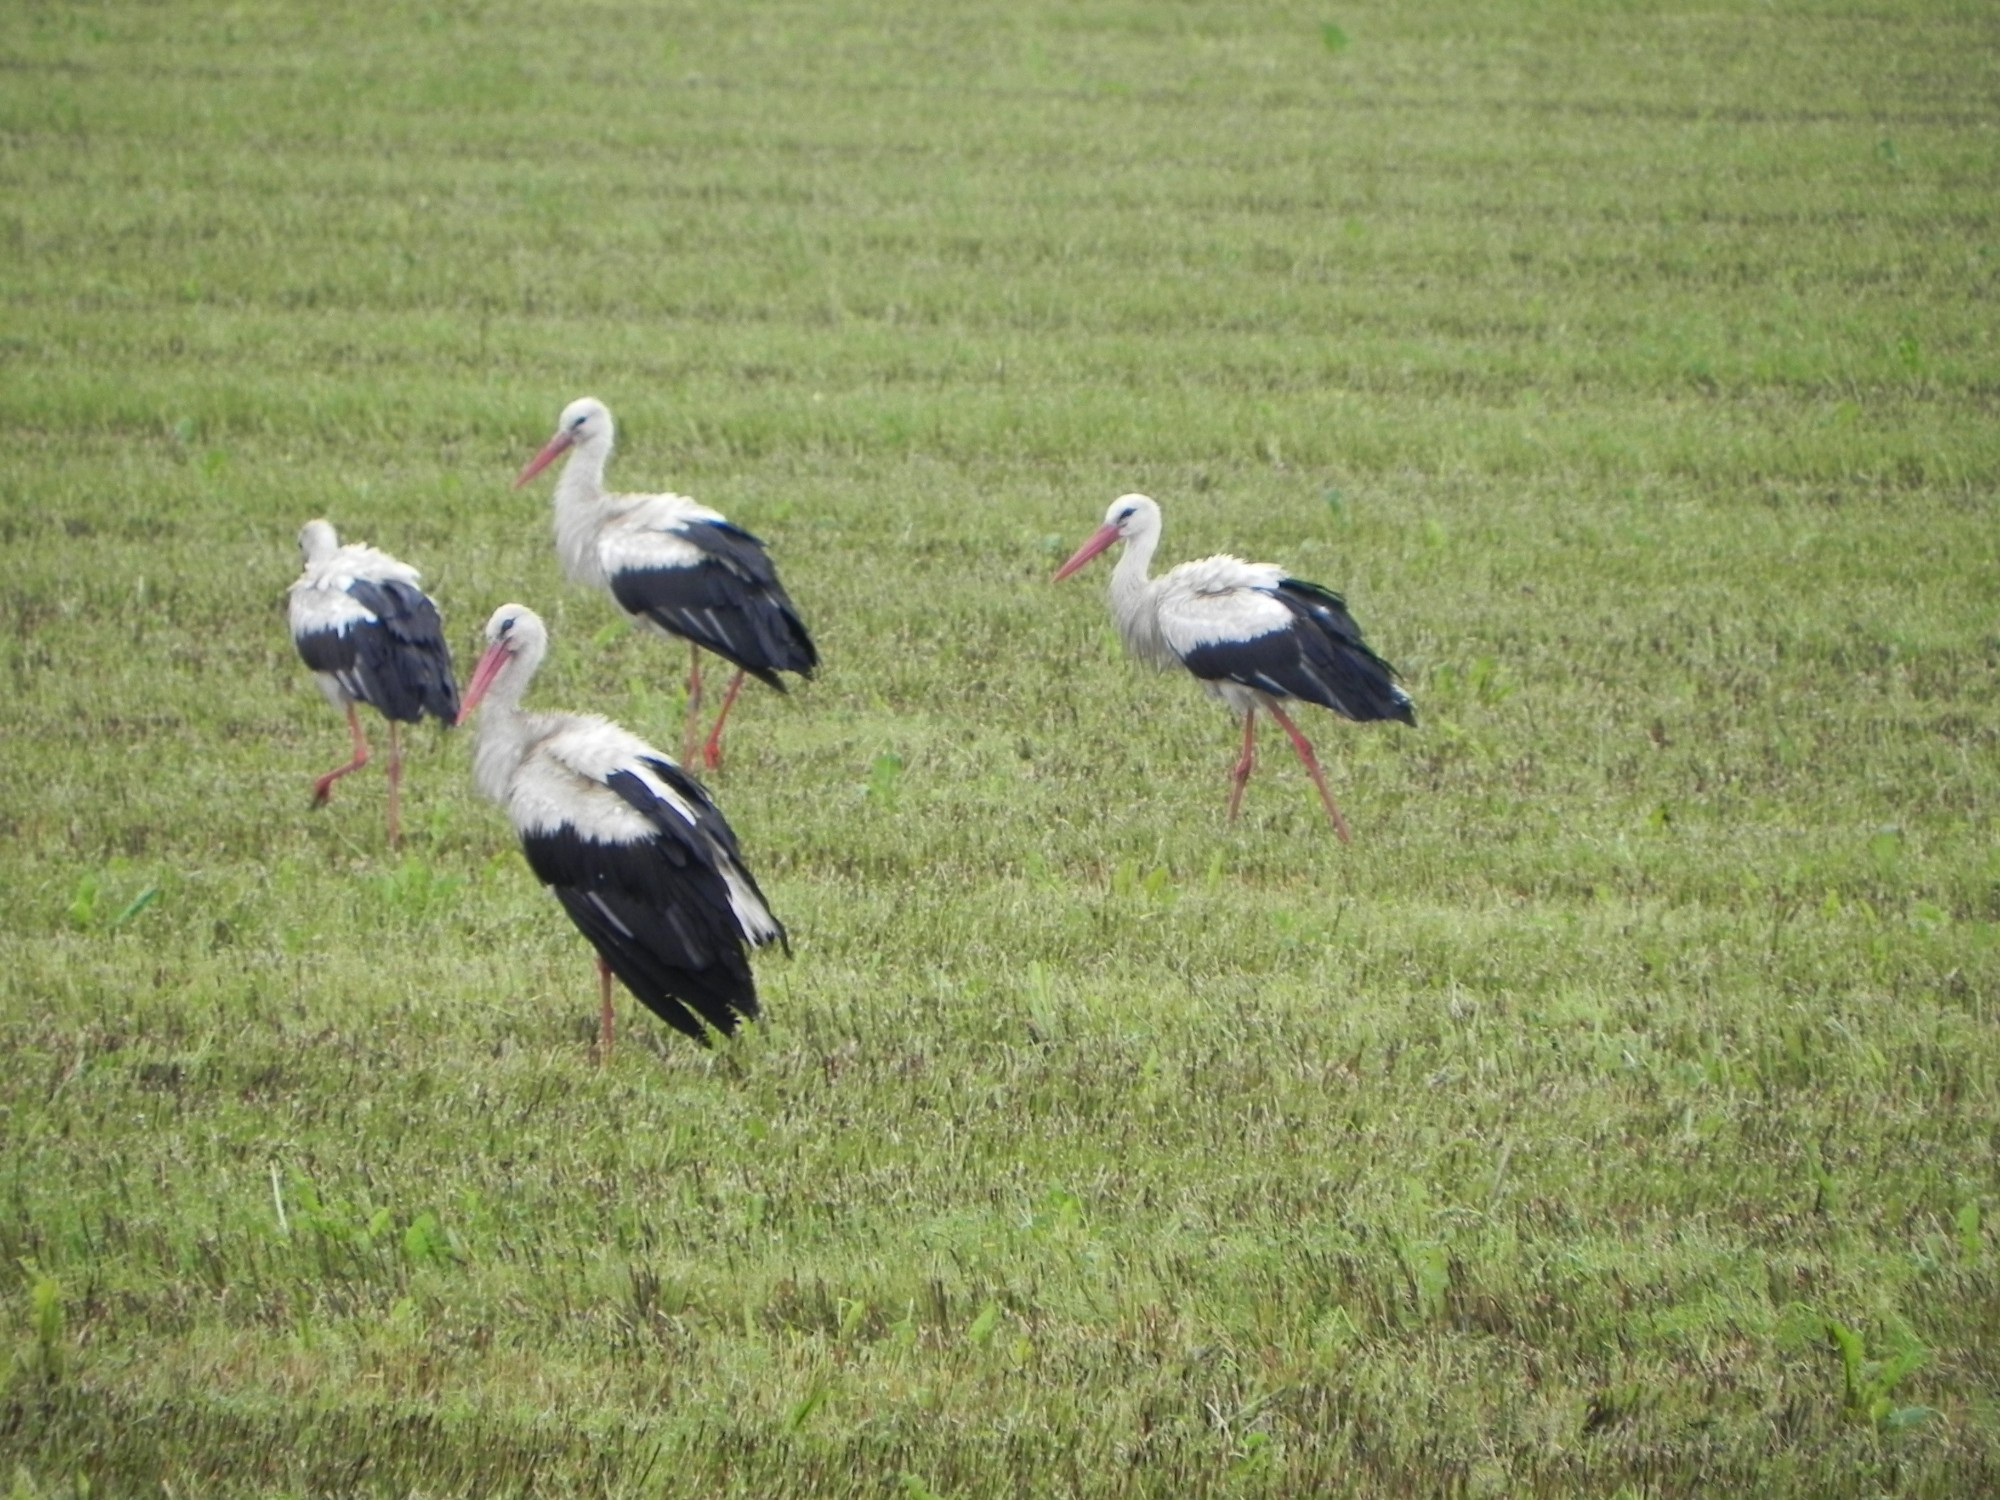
(627, 838)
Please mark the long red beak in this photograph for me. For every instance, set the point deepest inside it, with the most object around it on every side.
(550, 451)
(1101, 538)
(482, 678)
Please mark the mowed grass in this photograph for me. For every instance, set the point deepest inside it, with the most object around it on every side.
(1616, 1115)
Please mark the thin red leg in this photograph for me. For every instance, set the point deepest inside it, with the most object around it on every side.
(604, 1011)
(395, 786)
(323, 788)
(711, 753)
(1240, 773)
(692, 726)
(1312, 769)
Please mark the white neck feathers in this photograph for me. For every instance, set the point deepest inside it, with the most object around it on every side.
(1135, 602)
(579, 504)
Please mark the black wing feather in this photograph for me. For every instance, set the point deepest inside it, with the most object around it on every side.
(730, 603)
(659, 915)
(708, 819)
(332, 652)
(1321, 659)
(400, 659)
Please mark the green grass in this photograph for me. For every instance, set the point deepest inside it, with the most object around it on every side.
(1616, 1116)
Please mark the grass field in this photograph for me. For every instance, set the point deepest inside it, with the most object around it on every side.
(1617, 1115)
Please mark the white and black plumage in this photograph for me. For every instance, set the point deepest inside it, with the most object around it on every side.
(635, 850)
(371, 636)
(1252, 636)
(673, 564)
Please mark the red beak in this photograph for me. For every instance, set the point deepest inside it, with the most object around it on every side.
(542, 460)
(489, 667)
(1101, 538)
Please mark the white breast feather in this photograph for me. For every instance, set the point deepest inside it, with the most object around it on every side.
(627, 551)
(315, 610)
(320, 601)
(662, 512)
(1220, 599)
(547, 797)
(645, 531)
(560, 783)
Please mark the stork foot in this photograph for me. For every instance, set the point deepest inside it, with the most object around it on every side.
(323, 788)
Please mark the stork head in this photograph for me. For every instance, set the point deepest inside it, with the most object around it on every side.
(317, 541)
(583, 422)
(1129, 516)
(516, 641)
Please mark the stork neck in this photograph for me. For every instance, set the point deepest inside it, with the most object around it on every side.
(579, 498)
(318, 541)
(583, 474)
(500, 740)
(1133, 605)
(1131, 587)
(1137, 560)
(502, 732)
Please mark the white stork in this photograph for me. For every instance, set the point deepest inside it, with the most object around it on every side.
(673, 564)
(371, 636)
(1251, 635)
(638, 855)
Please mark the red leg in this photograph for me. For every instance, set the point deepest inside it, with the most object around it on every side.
(711, 753)
(395, 785)
(692, 726)
(323, 788)
(1240, 773)
(1312, 769)
(604, 1011)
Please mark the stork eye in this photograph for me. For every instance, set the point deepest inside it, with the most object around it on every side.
(1125, 514)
